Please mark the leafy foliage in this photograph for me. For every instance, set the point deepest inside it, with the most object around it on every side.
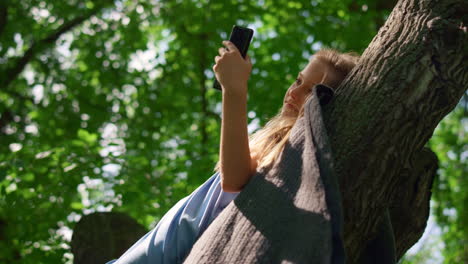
(118, 112)
(450, 142)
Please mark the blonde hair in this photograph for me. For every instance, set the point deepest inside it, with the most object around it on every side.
(268, 142)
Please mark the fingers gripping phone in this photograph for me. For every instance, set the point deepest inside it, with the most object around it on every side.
(241, 37)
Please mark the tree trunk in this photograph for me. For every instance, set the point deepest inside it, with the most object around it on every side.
(412, 74)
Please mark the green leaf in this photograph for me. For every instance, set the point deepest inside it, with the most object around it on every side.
(76, 206)
(29, 177)
(87, 137)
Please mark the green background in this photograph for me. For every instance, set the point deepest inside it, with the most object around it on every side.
(118, 113)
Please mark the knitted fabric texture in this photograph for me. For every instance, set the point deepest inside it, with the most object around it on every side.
(289, 212)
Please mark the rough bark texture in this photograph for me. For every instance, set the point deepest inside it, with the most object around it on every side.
(100, 237)
(412, 74)
(409, 217)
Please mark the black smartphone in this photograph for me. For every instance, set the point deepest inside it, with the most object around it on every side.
(241, 37)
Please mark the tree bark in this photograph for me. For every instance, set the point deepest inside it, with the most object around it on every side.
(410, 217)
(412, 74)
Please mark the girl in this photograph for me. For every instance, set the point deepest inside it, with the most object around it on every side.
(240, 155)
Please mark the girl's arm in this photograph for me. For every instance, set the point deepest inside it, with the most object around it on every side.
(232, 72)
(237, 166)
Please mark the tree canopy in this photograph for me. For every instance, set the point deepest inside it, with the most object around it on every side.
(108, 105)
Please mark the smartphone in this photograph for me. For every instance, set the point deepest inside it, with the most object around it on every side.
(241, 37)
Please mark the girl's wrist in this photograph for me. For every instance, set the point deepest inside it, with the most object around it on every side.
(238, 91)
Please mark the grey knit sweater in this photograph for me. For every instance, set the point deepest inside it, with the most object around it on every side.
(287, 213)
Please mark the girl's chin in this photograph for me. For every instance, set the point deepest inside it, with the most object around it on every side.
(288, 112)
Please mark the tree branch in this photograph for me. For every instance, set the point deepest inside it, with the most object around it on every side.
(37, 46)
(19, 96)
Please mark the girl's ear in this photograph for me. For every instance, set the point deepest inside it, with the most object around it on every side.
(324, 78)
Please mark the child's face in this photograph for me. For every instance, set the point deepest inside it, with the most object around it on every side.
(314, 73)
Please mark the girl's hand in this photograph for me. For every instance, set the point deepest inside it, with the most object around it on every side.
(232, 71)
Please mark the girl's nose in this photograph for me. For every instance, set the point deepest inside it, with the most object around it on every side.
(294, 93)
